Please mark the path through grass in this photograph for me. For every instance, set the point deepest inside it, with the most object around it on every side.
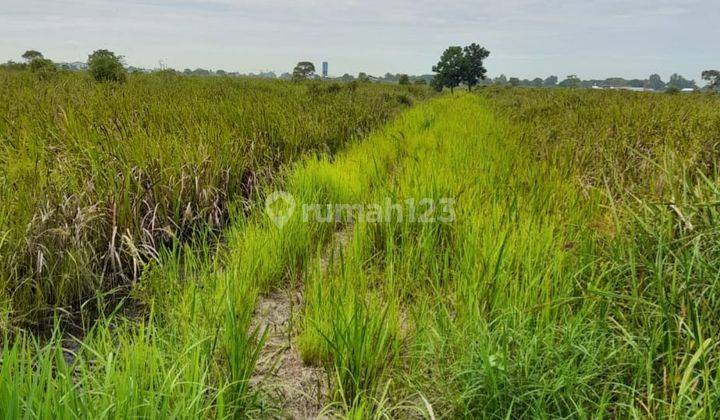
(529, 301)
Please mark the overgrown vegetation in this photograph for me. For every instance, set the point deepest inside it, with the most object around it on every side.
(577, 279)
(97, 178)
(105, 66)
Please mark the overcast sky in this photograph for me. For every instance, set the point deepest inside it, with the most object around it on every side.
(527, 38)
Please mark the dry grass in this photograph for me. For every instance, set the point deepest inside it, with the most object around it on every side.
(95, 178)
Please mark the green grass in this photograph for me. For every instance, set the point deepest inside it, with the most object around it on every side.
(578, 279)
(96, 178)
(548, 296)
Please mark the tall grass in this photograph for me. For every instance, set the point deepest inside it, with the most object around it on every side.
(96, 178)
(578, 278)
(654, 268)
(567, 285)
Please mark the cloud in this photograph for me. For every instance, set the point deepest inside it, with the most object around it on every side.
(370, 35)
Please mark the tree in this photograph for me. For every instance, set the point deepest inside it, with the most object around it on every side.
(655, 82)
(572, 81)
(363, 77)
(460, 65)
(514, 82)
(105, 66)
(551, 81)
(713, 78)
(473, 69)
(437, 84)
(303, 70)
(679, 82)
(615, 81)
(450, 69)
(537, 82)
(43, 68)
(500, 80)
(201, 72)
(421, 82)
(11, 65)
(404, 80)
(31, 55)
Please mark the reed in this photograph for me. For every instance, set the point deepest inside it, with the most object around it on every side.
(96, 178)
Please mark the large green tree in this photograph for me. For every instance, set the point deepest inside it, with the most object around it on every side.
(460, 65)
(474, 71)
(450, 69)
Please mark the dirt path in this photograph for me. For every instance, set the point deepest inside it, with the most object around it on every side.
(298, 387)
(301, 389)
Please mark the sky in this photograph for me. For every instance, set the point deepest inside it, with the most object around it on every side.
(527, 38)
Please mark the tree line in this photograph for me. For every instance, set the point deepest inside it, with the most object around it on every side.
(653, 82)
(464, 66)
(103, 65)
(457, 66)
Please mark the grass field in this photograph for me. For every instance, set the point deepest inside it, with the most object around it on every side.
(97, 178)
(577, 278)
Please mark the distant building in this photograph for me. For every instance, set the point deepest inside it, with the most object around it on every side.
(76, 66)
(632, 89)
(628, 88)
(325, 69)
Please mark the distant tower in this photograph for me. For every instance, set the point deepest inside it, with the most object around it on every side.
(325, 69)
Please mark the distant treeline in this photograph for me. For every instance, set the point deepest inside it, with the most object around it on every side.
(654, 82)
(362, 76)
(387, 78)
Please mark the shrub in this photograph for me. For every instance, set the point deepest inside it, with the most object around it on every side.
(404, 99)
(11, 65)
(43, 68)
(334, 88)
(105, 66)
